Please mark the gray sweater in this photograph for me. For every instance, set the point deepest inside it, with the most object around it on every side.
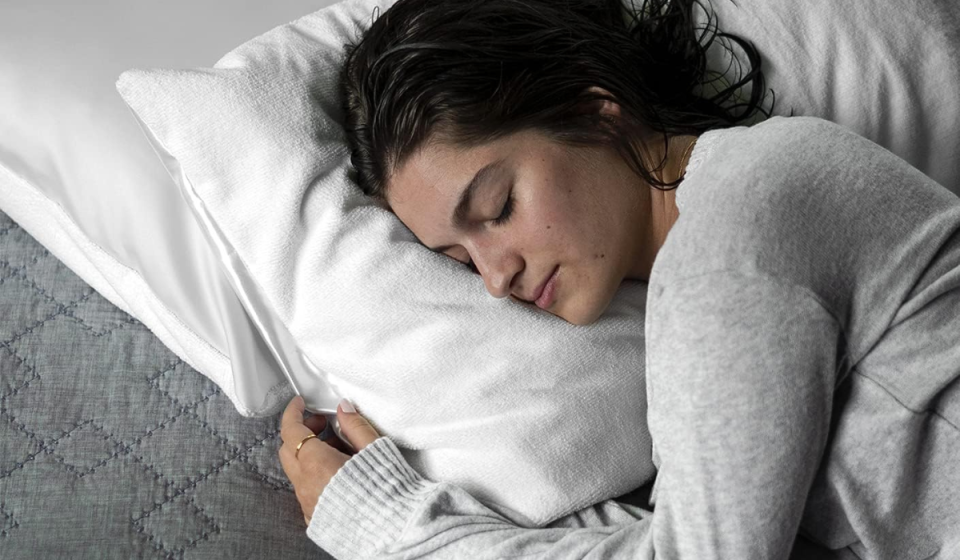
(803, 377)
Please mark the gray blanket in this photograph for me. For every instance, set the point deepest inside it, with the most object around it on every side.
(111, 446)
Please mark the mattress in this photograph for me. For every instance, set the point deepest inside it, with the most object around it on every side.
(111, 446)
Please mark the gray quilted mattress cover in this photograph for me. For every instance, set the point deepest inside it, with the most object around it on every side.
(111, 446)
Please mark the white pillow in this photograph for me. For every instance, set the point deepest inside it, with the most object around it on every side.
(889, 71)
(77, 174)
(533, 415)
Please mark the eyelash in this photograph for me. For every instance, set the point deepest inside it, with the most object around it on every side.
(507, 210)
(500, 220)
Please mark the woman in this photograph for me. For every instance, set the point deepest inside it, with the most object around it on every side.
(803, 313)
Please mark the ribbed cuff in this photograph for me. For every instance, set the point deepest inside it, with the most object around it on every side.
(368, 502)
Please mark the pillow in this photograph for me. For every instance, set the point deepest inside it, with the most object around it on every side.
(889, 71)
(533, 415)
(77, 174)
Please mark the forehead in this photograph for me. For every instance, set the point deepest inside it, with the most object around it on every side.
(435, 172)
(425, 191)
(440, 169)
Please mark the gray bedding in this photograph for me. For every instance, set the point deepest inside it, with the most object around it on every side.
(113, 447)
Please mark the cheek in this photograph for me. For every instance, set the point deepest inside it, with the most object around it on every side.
(564, 213)
(561, 231)
(572, 217)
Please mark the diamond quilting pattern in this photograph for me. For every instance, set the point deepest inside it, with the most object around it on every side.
(92, 376)
(94, 513)
(219, 421)
(86, 448)
(23, 315)
(17, 446)
(112, 446)
(50, 277)
(177, 526)
(174, 440)
(7, 522)
(14, 374)
(97, 319)
(268, 471)
(181, 389)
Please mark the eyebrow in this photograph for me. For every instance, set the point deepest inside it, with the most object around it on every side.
(482, 176)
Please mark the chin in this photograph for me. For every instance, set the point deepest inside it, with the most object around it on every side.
(580, 316)
(585, 311)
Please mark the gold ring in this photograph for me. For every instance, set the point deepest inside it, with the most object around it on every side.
(299, 445)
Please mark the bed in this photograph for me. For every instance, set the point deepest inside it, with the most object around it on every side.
(111, 446)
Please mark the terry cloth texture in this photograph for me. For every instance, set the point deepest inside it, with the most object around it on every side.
(803, 357)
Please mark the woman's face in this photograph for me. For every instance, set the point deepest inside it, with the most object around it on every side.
(538, 207)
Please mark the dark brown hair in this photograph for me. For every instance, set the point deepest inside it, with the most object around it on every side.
(472, 71)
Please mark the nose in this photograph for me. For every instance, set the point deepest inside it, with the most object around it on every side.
(497, 265)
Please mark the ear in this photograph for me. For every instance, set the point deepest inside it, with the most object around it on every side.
(605, 107)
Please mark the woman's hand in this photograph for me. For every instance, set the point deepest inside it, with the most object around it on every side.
(311, 469)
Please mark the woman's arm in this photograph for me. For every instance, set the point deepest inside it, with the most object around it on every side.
(741, 372)
(377, 506)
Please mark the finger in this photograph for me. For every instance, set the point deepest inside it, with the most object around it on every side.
(317, 456)
(321, 426)
(291, 423)
(316, 423)
(293, 414)
(292, 428)
(338, 444)
(357, 429)
(294, 462)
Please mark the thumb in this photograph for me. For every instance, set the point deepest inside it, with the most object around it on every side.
(355, 427)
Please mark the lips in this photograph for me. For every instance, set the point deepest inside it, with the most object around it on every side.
(539, 292)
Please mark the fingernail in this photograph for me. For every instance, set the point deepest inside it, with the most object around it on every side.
(347, 407)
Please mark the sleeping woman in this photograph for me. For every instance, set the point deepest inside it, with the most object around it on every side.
(803, 308)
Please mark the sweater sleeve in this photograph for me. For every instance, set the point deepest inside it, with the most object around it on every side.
(740, 381)
(741, 374)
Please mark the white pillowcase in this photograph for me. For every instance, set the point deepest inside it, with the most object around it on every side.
(77, 174)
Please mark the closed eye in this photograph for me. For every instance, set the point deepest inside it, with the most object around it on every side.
(499, 221)
(507, 210)
(503, 218)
